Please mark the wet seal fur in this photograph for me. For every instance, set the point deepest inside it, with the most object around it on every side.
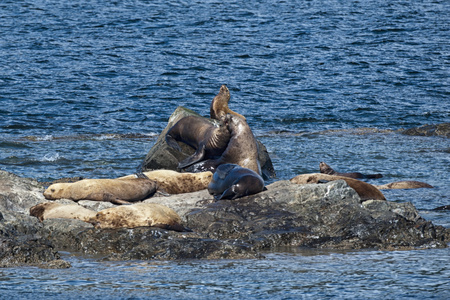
(173, 182)
(208, 139)
(231, 181)
(242, 148)
(118, 191)
(326, 169)
(219, 105)
(407, 184)
(138, 215)
(365, 190)
(54, 210)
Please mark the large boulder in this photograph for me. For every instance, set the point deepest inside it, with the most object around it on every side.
(161, 156)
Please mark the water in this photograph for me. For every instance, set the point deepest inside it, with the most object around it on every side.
(86, 87)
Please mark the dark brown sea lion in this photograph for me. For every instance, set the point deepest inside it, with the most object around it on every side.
(365, 190)
(119, 191)
(231, 181)
(242, 148)
(173, 182)
(208, 140)
(326, 169)
(219, 105)
(408, 184)
(138, 215)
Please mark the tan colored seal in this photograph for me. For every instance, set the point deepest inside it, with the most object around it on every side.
(407, 184)
(138, 215)
(219, 105)
(208, 140)
(326, 169)
(365, 190)
(119, 191)
(173, 182)
(54, 210)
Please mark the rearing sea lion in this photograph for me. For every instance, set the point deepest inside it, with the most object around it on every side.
(242, 148)
(219, 105)
(208, 140)
(326, 169)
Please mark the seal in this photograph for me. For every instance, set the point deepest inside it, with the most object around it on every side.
(55, 210)
(231, 181)
(326, 169)
(173, 182)
(138, 215)
(118, 191)
(208, 139)
(219, 105)
(407, 184)
(242, 149)
(365, 190)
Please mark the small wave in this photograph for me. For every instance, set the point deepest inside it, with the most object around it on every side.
(51, 157)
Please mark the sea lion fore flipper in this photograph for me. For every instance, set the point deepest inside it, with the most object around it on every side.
(172, 142)
(196, 157)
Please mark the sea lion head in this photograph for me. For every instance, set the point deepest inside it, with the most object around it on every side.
(54, 191)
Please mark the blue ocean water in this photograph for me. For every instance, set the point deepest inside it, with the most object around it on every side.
(86, 87)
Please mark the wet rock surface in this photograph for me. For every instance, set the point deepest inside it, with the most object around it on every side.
(286, 215)
(429, 130)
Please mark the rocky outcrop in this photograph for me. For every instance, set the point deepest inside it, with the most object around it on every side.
(429, 130)
(286, 215)
(161, 156)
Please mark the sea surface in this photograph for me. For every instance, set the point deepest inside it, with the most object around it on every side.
(87, 86)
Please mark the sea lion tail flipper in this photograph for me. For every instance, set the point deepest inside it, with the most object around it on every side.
(172, 142)
(196, 157)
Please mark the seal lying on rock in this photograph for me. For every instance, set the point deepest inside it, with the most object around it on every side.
(242, 149)
(118, 191)
(54, 210)
(137, 215)
(231, 181)
(365, 190)
(326, 169)
(173, 182)
(219, 105)
(408, 184)
(208, 140)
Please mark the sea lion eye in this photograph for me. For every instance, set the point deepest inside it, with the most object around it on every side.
(53, 190)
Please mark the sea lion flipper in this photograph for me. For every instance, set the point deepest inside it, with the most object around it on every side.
(196, 157)
(172, 142)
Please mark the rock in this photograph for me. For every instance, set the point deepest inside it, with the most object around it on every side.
(429, 130)
(161, 156)
(286, 215)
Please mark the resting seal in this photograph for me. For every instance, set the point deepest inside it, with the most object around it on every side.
(54, 210)
(231, 181)
(326, 169)
(365, 190)
(219, 105)
(173, 182)
(242, 148)
(137, 215)
(408, 184)
(208, 140)
(119, 191)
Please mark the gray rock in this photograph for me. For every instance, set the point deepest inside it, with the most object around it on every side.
(429, 130)
(161, 156)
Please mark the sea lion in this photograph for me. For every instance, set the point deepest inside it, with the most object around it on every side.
(408, 184)
(54, 210)
(365, 190)
(242, 148)
(137, 215)
(173, 182)
(326, 169)
(208, 139)
(219, 105)
(118, 191)
(231, 181)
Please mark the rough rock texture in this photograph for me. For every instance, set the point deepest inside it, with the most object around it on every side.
(286, 215)
(161, 156)
(429, 130)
